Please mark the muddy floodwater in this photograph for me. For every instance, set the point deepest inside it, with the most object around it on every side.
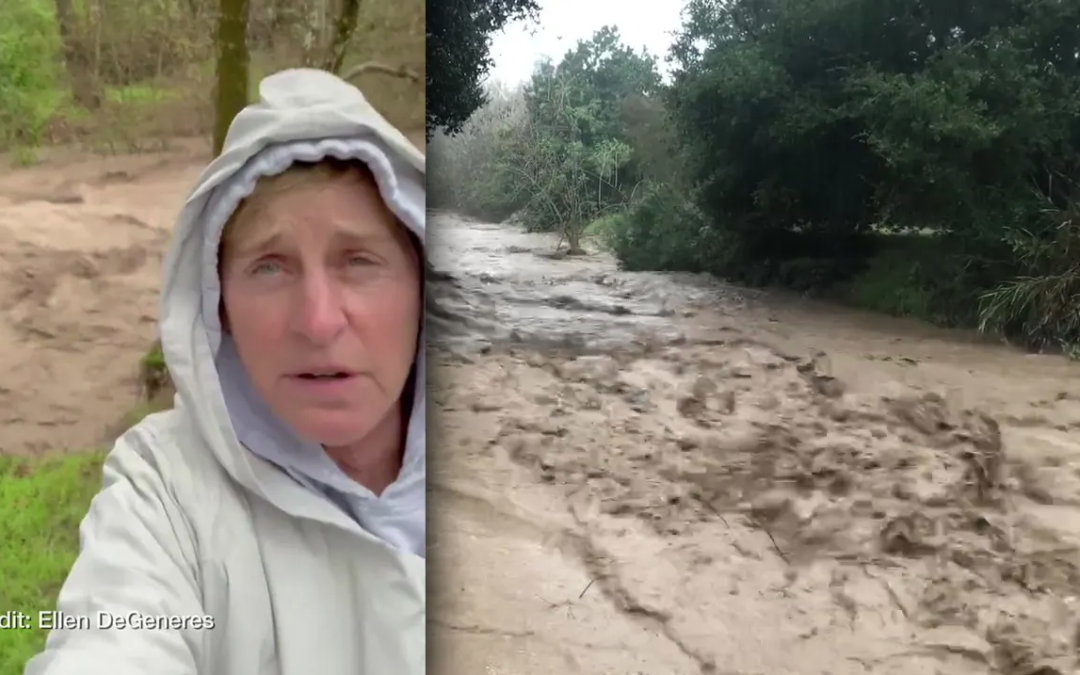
(664, 475)
(633, 474)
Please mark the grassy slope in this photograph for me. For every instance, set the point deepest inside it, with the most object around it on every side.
(42, 503)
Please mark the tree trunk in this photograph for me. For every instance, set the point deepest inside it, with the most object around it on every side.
(310, 33)
(84, 85)
(232, 67)
(344, 27)
(573, 240)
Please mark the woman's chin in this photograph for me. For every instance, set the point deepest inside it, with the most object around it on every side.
(331, 429)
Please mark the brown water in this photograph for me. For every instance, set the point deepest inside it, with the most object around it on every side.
(633, 473)
(81, 244)
(662, 474)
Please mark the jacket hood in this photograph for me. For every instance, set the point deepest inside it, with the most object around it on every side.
(301, 115)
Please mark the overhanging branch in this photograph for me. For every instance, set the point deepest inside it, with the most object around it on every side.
(382, 69)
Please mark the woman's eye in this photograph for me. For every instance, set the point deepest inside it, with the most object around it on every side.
(359, 260)
(265, 267)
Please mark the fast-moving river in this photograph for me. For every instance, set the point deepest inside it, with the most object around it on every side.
(661, 474)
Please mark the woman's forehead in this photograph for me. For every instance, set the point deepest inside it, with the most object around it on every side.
(299, 223)
(343, 203)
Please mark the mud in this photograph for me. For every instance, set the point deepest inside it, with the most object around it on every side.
(657, 474)
(81, 243)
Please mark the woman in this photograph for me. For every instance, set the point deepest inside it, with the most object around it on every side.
(273, 522)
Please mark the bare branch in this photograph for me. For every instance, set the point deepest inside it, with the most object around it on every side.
(383, 69)
(344, 27)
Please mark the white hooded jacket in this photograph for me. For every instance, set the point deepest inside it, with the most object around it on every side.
(237, 549)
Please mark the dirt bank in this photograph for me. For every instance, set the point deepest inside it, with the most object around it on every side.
(657, 474)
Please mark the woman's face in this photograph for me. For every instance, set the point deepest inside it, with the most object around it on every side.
(322, 299)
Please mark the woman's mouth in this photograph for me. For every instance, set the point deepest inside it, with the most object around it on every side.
(329, 387)
(322, 384)
(325, 376)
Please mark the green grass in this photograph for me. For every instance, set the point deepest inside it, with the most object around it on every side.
(920, 277)
(154, 359)
(893, 284)
(141, 94)
(42, 502)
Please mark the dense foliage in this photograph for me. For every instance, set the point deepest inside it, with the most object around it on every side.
(128, 76)
(912, 157)
(458, 54)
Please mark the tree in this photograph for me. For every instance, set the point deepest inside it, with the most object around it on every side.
(604, 73)
(825, 134)
(232, 67)
(596, 80)
(458, 55)
(911, 115)
(465, 170)
(556, 153)
(85, 88)
(573, 161)
(344, 27)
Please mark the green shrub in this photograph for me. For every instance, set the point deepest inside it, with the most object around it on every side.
(664, 231)
(922, 276)
(29, 70)
(1039, 304)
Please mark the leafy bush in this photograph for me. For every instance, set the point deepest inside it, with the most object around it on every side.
(1040, 305)
(664, 230)
(29, 69)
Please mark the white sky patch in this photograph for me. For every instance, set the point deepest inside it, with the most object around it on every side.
(564, 22)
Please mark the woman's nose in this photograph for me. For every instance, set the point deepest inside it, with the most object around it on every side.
(320, 314)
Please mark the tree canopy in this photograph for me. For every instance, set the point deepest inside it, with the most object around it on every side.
(459, 55)
(912, 157)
